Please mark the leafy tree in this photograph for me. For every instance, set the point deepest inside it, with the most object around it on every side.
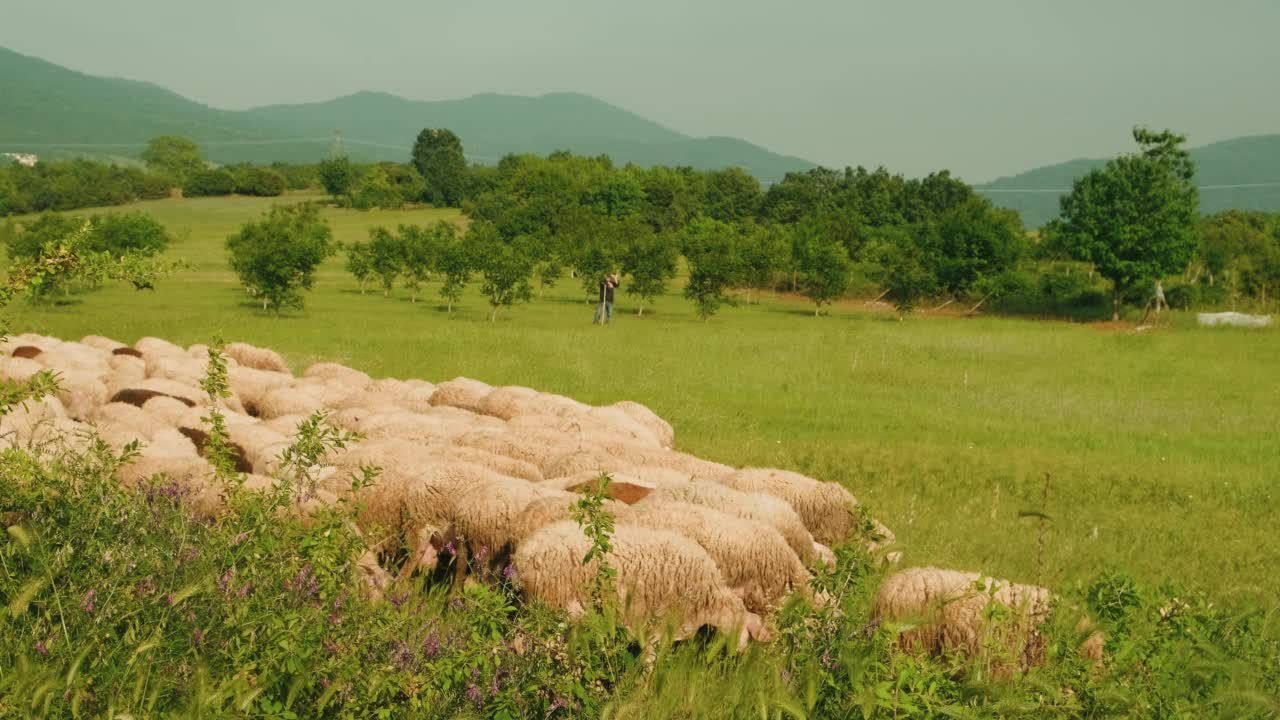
(374, 190)
(337, 175)
(732, 195)
(763, 251)
(650, 259)
(504, 266)
(456, 263)
(903, 269)
(176, 158)
(386, 257)
(420, 248)
(973, 242)
(276, 257)
(213, 182)
(359, 262)
(710, 247)
(258, 181)
(823, 265)
(1135, 218)
(437, 154)
(124, 233)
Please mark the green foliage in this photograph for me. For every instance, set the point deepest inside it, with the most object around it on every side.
(1135, 219)
(505, 267)
(823, 265)
(597, 525)
(386, 257)
(650, 259)
(437, 154)
(276, 257)
(337, 176)
(903, 269)
(74, 184)
(764, 251)
(257, 181)
(710, 246)
(456, 263)
(113, 234)
(173, 157)
(1241, 251)
(421, 248)
(214, 182)
(374, 190)
(359, 262)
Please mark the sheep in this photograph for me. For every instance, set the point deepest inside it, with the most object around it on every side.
(187, 371)
(80, 392)
(101, 343)
(125, 370)
(27, 352)
(173, 457)
(461, 392)
(139, 392)
(72, 356)
(288, 401)
(131, 418)
(661, 576)
(500, 464)
(825, 507)
(661, 429)
(507, 402)
(17, 369)
(624, 458)
(165, 409)
(35, 422)
(255, 357)
(950, 608)
(341, 373)
(151, 347)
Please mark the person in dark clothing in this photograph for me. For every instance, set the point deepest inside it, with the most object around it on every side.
(604, 311)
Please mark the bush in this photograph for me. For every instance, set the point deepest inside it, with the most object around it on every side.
(119, 234)
(1182, 296)
(210, 183)
(259, 181)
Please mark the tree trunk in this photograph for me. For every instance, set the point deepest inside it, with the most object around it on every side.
(494, 316)
(450, 305)
(641, 310)
(1115, 304)
(816, 308)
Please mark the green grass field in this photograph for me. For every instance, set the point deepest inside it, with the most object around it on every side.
(1161, 445)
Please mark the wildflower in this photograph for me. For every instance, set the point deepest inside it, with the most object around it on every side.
(403, 657)
(40, 648)
(225, 580)
(239, 538)
(448, 548)
(474, 693)
(431, 646)
(145, 586)
(330, 648)
(509, 572)
(245, 589)
(558, 703)
(197, 637)
(87, 603)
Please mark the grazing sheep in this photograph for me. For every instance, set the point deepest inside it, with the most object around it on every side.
(151, 347)
(659, 428)
(507, 402)
(661, 576)
(340, 373)
(72, 356)
(16, 369)
(255, 357)
(36, 423)
(80, 392)
(825, 507)
(461, 392)
(139, 392)
(102, 343)
(288, 401)
(27, 352)
(948, 612)
(500, 464)
(130, 417)
(125, 370)
(165, 409)
(185, 370)
(43, 342)
(624, 458)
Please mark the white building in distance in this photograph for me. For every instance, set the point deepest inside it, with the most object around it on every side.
(23, 158)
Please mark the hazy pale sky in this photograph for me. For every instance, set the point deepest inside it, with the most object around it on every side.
(983, 87)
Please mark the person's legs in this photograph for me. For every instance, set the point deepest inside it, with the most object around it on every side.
(596, 320)
(608, 311)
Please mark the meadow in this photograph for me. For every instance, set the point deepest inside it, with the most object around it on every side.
(1160, 446)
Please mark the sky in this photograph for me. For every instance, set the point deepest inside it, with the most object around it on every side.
(984, 88)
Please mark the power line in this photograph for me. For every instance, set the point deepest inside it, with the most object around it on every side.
(1067, 190)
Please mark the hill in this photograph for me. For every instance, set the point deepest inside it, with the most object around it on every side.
(1240, 173)
(54, 111)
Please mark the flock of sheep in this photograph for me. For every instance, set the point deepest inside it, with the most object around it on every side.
(489, 475)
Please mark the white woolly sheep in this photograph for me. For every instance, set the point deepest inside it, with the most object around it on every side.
(659, 428)
(102, 343)
(621, 458)
(661, 577)
(340, 373)
(80, 392)
(151, 347)
(251, 385)
(288, 401)
(507, 402)
(247, 355)
(18, 369)
(948, 612)
(462, 393)
(124, 371)
(825, 507)
(166, 410)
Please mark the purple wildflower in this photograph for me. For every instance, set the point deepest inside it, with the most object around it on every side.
(474, 693)
(145, 586)
(40, 648)
(245, 589)
(225, 581)
(330, 648)
(509, 572)
(403, 657)
(448, 548)
(87, 603)
(239, 538)
(556, 704)
(431, 645)
(197, 637)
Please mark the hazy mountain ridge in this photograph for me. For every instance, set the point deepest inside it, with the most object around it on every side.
(45, 103)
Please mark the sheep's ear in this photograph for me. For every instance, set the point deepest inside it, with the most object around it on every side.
(628, 492)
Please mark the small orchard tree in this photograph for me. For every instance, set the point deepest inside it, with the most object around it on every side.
(710, 247)
(650, 259)
(763, 252)
(420, 248)
(359, 262)
(176, 158)
(438, 156)
(276, 257)
(386, 257)
(823, 265)
(337, 175)
(1135, 218)
(455, 263)
(374, 189)
(505, 267)
(902, 268)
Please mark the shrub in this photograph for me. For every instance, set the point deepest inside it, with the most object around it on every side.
(1182, 296)
(259, 181)
(210, 183)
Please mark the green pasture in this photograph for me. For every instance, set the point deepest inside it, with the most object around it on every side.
(1161, 446)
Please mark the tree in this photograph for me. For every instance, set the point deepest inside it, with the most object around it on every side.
(276, 257)
(176, 158)
(386, 257)
(259, 181)
(650, 259)
(210, 183)
(762, 252)
(901, 266)
(456, 263)
(973, 242)
(437, 154)
(359, 262)
(710, 246)
(823, 265)
(504, 266)
(420, 247)
(337, 175)
(732, 195)
(1135, 218)
(374, 190)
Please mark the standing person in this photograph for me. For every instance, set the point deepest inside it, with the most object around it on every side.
(604, 311)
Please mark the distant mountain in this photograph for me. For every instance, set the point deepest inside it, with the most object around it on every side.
(54, 111)
(1241, 173)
